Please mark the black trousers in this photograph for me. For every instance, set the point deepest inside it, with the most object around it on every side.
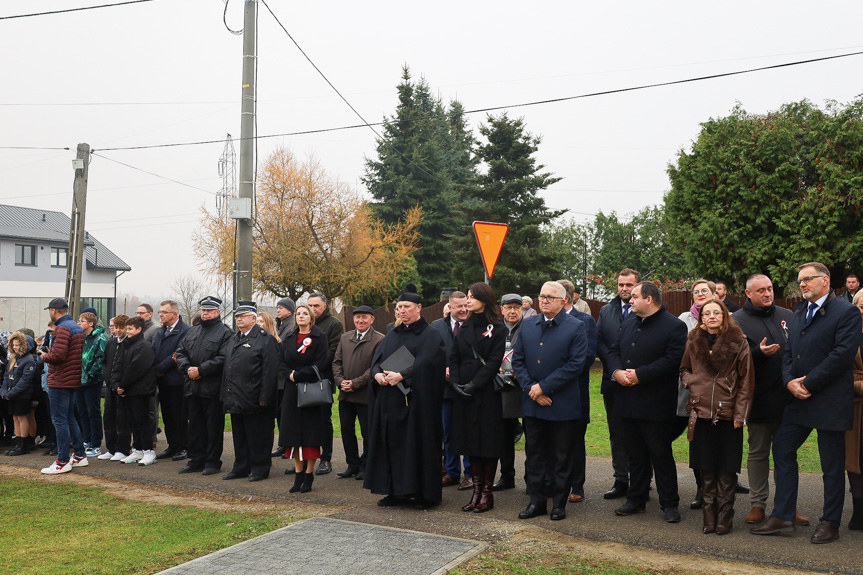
(549, 443)
(648, 446)
(115, 439)
(206, 432)
(617, 440)
(253, 441)
(507, 460)
(580, 458)
(831, 450)
(280, 396)
(143, 423)
(175, 415)
(348, 414)
(327, 447)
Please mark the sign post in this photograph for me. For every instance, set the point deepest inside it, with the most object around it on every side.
(489, 240)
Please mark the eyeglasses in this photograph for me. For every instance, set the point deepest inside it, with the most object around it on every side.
(703, 291)
(549, 298)
(808, 279)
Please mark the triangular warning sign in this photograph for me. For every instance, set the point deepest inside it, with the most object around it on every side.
(489, 239)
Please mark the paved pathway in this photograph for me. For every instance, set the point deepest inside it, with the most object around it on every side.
(351, 548)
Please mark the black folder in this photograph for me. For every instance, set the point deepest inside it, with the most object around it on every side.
(399, 361)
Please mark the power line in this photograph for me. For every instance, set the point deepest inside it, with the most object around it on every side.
(154, 174)
(520, 105)
(30, 148)
(73, 9)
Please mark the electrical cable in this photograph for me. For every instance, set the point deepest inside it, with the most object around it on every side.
(345, 100)
(31, 148)
(153, 174)
(73, 9)
(225, 20)
(521, 105)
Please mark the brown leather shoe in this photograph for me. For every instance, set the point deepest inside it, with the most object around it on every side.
(824, 533)
(755, 515)
(576, 497)
(448, 480)
(801, 520)
(773, 526)
(466, 483)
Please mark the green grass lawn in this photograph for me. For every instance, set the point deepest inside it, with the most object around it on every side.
(66, 528)
(541, 564)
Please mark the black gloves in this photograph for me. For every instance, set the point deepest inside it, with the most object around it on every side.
(466, 391)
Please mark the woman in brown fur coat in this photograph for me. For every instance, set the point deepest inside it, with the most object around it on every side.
(717, 370)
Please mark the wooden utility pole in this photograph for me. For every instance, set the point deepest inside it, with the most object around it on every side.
(245, 216)
(75, 255)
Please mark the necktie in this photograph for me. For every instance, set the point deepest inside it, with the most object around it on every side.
(360, 336)
(626, 308)
(455, 329)
(812, 308)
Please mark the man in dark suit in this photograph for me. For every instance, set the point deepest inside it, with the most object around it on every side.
(645, 362)
(175, 410)
(611, 316)
(823, 339)
(448, 327)
(549, 355)
(584, 390)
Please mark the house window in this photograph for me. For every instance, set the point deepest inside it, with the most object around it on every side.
(58, 257)
(25, 255)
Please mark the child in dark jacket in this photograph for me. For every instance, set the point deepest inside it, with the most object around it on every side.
(20, 383)
(133, 378)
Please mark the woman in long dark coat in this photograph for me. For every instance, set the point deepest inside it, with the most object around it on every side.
(302, 429)
(717, 370)
(477, 428)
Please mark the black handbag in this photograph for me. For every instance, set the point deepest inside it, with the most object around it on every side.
(314, 394)
(501, 382)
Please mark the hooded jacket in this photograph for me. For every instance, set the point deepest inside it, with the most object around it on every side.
(93, 357)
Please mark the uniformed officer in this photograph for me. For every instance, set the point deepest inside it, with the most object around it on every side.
(249, 385)
(200, 358)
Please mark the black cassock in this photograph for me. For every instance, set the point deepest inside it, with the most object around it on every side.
(404, 454)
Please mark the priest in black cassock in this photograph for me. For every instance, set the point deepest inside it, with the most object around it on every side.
(406, 432)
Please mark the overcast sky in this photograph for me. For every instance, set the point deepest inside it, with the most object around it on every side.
(169, 71)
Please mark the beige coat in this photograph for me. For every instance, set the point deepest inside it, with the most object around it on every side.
(854, 437)
(353, 361)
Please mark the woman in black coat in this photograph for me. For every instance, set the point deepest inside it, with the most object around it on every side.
(303, 429)
(477, 428)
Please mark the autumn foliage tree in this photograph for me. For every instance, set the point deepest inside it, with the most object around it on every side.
(313, 232)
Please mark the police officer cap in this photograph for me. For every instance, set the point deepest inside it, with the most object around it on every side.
(246, 307)
(210, 302)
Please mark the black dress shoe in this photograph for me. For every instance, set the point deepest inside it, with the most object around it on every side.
(629, 508)
(290, 471)
(422, 504)
(773, 526)
(349, 472)
(167, 453)
(188, 469)
(360, 475)
(619, 489)
(672, 515)
(532, 511)
(698, 502)
(257, 477)
(558, 513)
(504, 483)
(180, 455)
(390, 501)
(741, 488)
(279, 452)
(211, 470)
(324, 468)
(825, 533)
(234, 475)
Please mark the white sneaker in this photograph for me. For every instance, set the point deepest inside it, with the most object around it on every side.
(79, 461)
(119, 456)
(56, 468)
(149, 457)
(106, 456)
(136, 456)
(93, 451)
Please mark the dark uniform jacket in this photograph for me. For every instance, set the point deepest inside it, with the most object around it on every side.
(250, 372)
(164, 346)
(552, 355)
(823, 350)
(133, 370)
(354, 362)
(477, 422)
(607, 329)
(654, 347)
(204, 347)
(773, 322)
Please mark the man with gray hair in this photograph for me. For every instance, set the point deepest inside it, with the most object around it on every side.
(169, 380)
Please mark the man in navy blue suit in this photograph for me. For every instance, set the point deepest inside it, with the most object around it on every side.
(823, 338)
(549, 354)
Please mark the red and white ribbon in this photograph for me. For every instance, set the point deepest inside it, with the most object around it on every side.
(306, 343)
(488, 329)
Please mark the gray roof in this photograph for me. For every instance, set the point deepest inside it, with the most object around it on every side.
(48, 226)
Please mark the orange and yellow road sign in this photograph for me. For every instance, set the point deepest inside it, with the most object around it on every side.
(489, 239)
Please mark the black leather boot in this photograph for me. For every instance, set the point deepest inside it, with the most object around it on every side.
(708, 491)
(298, 482)
(307, 483)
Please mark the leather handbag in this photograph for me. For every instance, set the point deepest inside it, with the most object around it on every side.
(500, 382)
(314, 394)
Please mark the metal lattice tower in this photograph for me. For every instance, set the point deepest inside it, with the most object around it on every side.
(228, 171)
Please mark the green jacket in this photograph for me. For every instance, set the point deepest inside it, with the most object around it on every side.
(93, 357)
